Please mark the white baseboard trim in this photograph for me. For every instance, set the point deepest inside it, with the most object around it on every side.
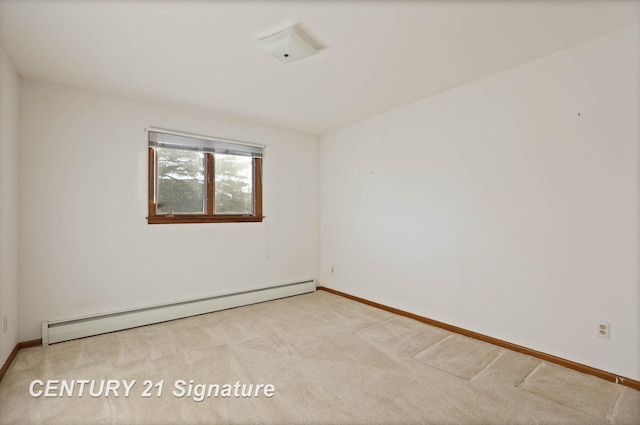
(65, 330)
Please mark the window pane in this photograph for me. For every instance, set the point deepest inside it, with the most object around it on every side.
(234, 184)
(180, 181)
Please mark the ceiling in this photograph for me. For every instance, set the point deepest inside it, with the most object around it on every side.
(377, 55)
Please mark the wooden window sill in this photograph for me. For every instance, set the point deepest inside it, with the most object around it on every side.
(204, 219)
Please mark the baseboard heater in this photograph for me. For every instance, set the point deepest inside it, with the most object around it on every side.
(65, 330)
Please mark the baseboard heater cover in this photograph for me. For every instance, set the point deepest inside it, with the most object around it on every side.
(65, 330)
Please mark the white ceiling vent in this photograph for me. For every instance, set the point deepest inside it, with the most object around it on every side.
(288, 45)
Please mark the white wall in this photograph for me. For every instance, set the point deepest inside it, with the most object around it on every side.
(8, 206)
(508, 206)
(85, 245)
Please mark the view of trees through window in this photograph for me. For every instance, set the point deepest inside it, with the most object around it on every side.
(180, 181)
(233, 184)
(181, 185)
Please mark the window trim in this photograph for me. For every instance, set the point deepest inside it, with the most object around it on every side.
(209, 216)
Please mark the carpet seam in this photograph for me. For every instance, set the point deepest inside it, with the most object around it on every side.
(431, 346)
(428, 347)
(500, 354)
(373, 324)
(528, 375)
(614, 410)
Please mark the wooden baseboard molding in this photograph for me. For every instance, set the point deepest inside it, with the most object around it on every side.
(12, 356)
(612, 377)
(14, 353)
(31, 343)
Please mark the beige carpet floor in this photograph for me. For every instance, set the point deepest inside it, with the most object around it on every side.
(331, 360)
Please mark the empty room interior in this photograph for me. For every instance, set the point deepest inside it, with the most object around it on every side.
(306, 212)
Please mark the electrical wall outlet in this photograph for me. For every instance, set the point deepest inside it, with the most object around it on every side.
(604, 330)
(5, 324)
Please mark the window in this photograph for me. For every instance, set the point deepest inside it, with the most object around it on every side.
(196, 179)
